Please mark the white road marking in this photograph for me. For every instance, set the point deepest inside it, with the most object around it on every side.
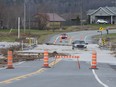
(99, 79)
(2, 68)
(85, 38)
(20, 63)
(14, 64)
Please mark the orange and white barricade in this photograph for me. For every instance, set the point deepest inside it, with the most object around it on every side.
(94, 60)
(46, 59)
(10, 60)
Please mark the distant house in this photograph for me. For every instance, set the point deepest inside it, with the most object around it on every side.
(55, 21)
(51, 20)
(71, 19)
(106, 13)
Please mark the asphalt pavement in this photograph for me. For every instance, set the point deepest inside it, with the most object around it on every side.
(64, 72)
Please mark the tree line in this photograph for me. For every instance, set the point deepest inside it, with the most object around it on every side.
(10, 10)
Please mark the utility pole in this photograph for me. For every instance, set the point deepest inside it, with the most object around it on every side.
(29, 16)
(53, 22)
(18, 27)
(81, 12)
(24, 15)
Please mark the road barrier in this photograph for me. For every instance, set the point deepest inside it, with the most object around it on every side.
(94, 60)
(61, 38)
(10, 60)
(46, 65)
(66, 56)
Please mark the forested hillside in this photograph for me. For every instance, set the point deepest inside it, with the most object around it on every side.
(11, 9)
(61, 6)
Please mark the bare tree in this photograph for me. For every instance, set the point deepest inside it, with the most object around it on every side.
(2, 7)
(42, 20)
(11, 15)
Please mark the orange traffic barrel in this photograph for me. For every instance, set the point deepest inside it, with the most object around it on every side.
(94, 60)
(46, 65)
(60, 39)
(10, 60)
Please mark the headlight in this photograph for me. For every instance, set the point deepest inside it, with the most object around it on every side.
(75, 45)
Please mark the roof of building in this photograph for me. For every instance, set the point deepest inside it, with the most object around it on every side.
(106, 10)
(70, 16)
(54, 17)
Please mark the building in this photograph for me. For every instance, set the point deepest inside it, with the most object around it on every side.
(72, 19)
(55, 21)
(51, 20)
(106, 13)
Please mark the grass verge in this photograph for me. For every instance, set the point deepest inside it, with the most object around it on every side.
(42, 35)
(111, 36)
